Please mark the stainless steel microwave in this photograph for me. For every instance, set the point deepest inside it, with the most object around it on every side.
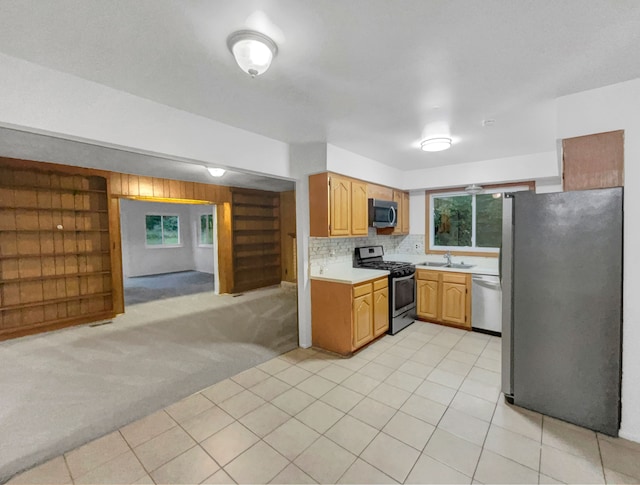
(383, 213)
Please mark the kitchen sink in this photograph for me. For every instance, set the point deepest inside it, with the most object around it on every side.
(447, 265)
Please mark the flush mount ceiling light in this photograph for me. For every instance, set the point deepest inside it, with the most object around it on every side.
(473, 189)
(216, 172)
(252, 50)
(435, 144)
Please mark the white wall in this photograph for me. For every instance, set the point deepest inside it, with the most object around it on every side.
(611, 108)
(203, 256)
(357, 166)
(417, 212)
(140, 260)
(511, 169)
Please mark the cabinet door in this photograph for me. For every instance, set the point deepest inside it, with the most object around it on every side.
(454, 303)
(359, 209)
(404, 215)
(380, 311)
(397, 198)
(340, 206)
(362, 320)
(427, 304)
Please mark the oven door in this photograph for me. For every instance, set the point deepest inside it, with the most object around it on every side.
(404, 294)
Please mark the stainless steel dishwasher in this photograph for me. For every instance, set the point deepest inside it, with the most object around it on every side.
(486, 308)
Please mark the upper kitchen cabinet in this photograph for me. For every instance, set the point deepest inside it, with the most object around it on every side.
(593, 161)
(402, 199)
(338, 206)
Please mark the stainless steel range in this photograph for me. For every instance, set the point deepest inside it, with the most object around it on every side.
(402, 285)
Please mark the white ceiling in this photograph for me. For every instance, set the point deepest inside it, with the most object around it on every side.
(369, 76)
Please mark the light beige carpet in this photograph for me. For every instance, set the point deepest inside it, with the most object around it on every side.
(64, 388)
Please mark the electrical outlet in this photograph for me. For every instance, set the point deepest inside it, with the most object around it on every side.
(417, 246)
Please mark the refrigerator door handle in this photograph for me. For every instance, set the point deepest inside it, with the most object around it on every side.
(506, 281)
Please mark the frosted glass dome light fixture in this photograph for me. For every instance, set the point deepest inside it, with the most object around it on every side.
(252, 50)
(435, 144)
(216, 172)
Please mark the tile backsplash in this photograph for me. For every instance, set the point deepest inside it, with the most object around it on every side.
(324, 251)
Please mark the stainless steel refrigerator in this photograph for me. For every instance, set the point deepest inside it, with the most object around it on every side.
(561, 276)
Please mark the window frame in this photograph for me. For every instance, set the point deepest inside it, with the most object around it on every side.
(199, 229)
(430, 248)
(162, 245)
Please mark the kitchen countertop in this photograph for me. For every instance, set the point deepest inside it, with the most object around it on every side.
(482, 265)
(344, 273)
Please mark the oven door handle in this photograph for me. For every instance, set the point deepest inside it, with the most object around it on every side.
(395, 278)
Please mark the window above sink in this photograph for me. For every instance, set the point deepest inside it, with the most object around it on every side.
(466, 224)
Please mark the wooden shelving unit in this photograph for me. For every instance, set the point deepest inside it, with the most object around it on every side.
(256, 239)
(55, 262)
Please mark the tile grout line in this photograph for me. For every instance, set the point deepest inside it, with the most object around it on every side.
(136, 456)
(435, 427)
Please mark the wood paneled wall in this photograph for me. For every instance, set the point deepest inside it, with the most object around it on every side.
(288, 235)
(178, 191)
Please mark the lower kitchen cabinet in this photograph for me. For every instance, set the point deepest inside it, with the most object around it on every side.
(444, 297)
(345, 317)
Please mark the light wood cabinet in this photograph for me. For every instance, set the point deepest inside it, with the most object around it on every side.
(380, 307)
(359, 209)
(404, 214)
(427, 299)
(444, 297)
(346, 317)
(362, 320)
(338, 206)
(402, 199)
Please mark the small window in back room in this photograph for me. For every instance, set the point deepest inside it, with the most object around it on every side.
(163, 230)
(206, 230)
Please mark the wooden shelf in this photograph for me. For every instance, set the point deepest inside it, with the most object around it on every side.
(53, 255)
(54, 301)
(52, 209)
(256, 218)
(56, 230)
(260, 206)
(54, 189)
(53, 277)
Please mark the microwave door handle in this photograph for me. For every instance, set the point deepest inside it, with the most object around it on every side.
(392, 212)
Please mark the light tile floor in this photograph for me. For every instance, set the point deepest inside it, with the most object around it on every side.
(423, 406)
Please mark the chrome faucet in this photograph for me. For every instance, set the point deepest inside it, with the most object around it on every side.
(447, 256)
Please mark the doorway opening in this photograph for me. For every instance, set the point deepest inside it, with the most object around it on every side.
(168, 250)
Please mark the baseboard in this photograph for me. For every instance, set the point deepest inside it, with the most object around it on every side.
(486, 331)
(288, 285)
(629, 436)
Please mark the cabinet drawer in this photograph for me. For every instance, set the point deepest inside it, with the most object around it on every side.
(454, 277)
(425, 274)
(381, 283)
(363, 289)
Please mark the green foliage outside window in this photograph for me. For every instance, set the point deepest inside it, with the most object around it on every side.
(162, 230)
(454, 219)
(206, 229)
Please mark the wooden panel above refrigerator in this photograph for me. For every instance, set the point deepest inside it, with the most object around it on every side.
(593, 161)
